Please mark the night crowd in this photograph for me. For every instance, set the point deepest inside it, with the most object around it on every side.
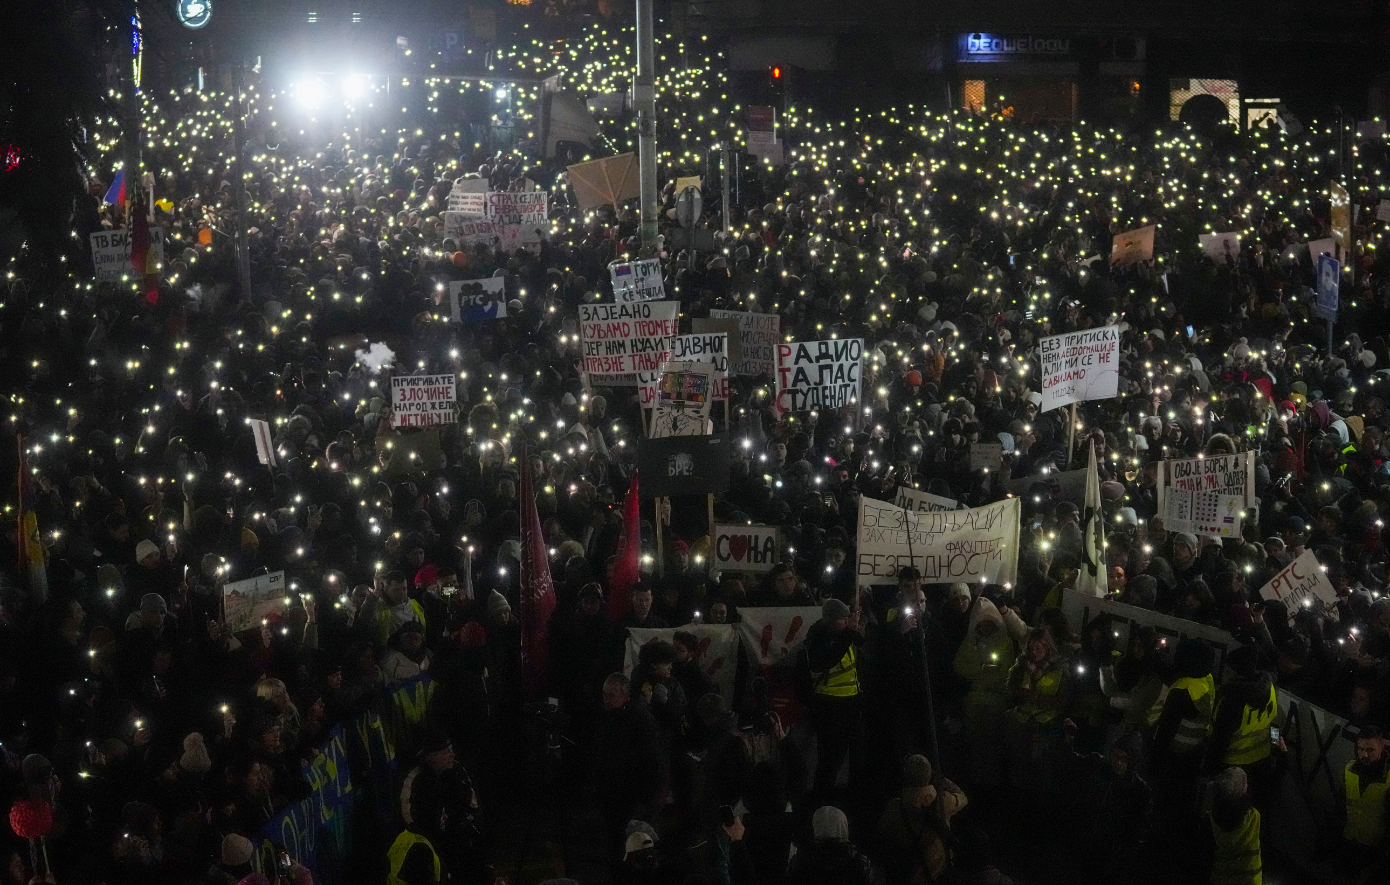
(163, 742)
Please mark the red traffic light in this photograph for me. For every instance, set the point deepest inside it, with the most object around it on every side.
(776, 73)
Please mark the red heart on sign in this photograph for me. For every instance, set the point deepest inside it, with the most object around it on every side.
(738, 547)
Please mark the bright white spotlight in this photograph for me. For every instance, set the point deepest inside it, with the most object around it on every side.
(353, 86)
(310, 92)
(502, 94)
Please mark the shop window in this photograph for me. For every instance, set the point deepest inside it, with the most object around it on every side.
(972, 95)
(1181, 90)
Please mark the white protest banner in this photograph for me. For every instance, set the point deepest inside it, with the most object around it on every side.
(637, 280)
(1221, 248)
(922, 502)
(526, 208)
(818, 374)
(682, 400)
(469, 197)
(716, 653)
(245, 604)
(1080, 366)
(476, 300)
(773, 635)
(747, 548)
(978, 545)
(111, 254)
(1301, 583)
(422, 400)
(1206, 496)
(758, 338)
(265, 448)
(621, 340)
(467, 230)
(986, 456)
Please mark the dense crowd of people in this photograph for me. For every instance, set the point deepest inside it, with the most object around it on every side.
(940, 732)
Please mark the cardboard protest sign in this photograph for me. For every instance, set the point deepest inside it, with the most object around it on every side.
(922, 502)
(683, 465)
(111, 254)
(1326, 246)
(684, 182)
(759, 335)
(706, 348)
(413, 453)
(1206, 496)
(1132, 247)
(728, 325)
(637, 280)
(818, 374)
(986, 455)
(1222, 248)
(747, 548)
(477, 300)
(527, 208)
(621, 340)
(1080, 366)
(245, 604)
(423, 400)
(716, 653)
(610, 181)
(1383, 210)
(1302, 582)
(682, 400)
(468, 197)
(265, 449)
(467, 230)
(978, 545)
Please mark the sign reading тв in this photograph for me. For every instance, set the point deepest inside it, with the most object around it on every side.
(1080, 366)
(111, 254)
(422, 400)
(975, 545)
(818, 374)
(621, 340)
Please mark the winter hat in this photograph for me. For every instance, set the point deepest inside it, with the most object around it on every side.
(959, 589)
(1186, 539)
(829, 822)
(236, 850)
(146, 548)
(153, 603)
(916, 772)
(496, 604)
(833, 608)
(640, 837)
(195, 759)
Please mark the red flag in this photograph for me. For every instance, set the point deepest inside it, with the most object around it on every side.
(627, 566)
(139, 234)
(537, 590)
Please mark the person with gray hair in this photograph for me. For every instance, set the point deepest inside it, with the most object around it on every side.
(626, 766)
(830, 859)
(1235, 831)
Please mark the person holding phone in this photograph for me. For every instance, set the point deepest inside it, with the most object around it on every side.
(1244, 731)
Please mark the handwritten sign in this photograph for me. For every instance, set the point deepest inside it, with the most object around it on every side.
(818, 374)
(111, 254)
(1132, 246)
(747, 548)
(1206, 496)
(422, 400)
(1301, 583)
(922, 502)
(758, 339)
(1080, 366)
(621, 340)
(976, 545)
(467, 230)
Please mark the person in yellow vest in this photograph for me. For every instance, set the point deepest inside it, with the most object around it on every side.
(1040, 691)
(1241, 727)
(1185, 723)
(396, 608)
(1235, 832)
(1366, 805)
(412, 860)
(834, 653)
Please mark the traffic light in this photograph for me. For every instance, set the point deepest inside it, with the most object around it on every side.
(775, 72)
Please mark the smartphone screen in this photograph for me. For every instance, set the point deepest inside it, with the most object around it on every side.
(1191, 332)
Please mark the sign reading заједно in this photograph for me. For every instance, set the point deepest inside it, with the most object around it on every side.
(1080, 366)
(620, 340)
(818, 374)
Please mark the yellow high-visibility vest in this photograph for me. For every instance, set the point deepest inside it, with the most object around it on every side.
(1237, 860)
(1251, 743)
(1193, 731)
(841, 680)
(395, 856)
(1365, 808)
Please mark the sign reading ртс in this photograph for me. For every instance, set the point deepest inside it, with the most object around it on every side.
(818, 374)
(1080, 366)
(422, 400)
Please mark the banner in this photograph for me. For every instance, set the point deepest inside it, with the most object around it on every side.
(1206, 496)
(1078, 367)
(111, 254)
(1221, 248)
(682, 400)
(477, 300)
(758, 339)
(526, 208)
(1132, 246)
(246, 603)
(637, 280)
(922, 502)
(1301, 583)
(468, 197)
(717, 653)
(468, 230)
(265, 448)
(620, 340)
(771, 638)
(818, 374)
(978, 545)
(747, 548)
(683, 465)
(1080, 609)
(423, 400)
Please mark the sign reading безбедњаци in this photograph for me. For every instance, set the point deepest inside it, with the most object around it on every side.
(978, 545)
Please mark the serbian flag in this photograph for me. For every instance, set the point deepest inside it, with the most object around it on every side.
(627, 566)
(537, 590)
(116, 194)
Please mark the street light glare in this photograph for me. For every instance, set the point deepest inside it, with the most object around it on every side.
(310, 92)
(353, 86)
